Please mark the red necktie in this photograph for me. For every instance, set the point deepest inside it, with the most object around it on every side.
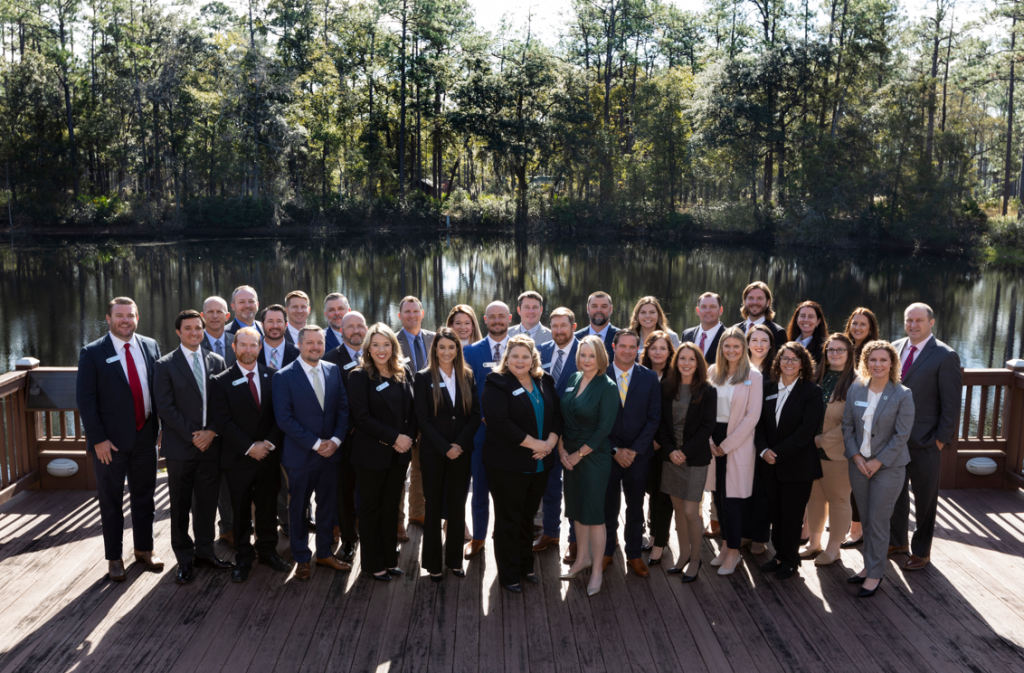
(136, 386)
(908, 363)
(252, 389)
(703, 337)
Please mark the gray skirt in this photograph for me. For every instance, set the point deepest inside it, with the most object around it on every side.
(683, 481)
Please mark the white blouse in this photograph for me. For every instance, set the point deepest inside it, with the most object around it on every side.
(725, 392)
(869, 417)
(449, 384)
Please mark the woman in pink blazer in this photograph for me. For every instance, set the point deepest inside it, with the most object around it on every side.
(731, 475)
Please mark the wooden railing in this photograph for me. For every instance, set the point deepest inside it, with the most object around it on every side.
(991, 426)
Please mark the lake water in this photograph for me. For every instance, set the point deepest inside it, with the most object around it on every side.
(53, 292)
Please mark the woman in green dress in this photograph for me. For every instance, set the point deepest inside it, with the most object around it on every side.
(589, 407)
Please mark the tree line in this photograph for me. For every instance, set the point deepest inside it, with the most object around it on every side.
(838, 118)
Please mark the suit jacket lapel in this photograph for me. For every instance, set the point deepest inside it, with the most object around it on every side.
(883, 400)
(924, 354)
(236, 373)
(787, 408)
(186, 368)
(110, 350)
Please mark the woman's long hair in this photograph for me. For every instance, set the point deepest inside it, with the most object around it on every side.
(466, 310)
(654, 336)
(461, 371)
(672, 380)
(367, 363)
(872, 330)
(849, 373)
(721, 375)
(821, 331)
(634, 321)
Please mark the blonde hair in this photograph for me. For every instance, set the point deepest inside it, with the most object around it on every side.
(870, 347)
(521, 341)
(366, 362)
(720, 377)
(600, 353)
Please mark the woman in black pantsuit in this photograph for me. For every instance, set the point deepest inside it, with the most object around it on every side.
(448, 411)
(380, 395)
(521, 409)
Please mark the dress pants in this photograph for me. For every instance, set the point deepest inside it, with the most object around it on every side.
(517, 496)
(730, 510)
(757, 521)
(876, 497)
(659, 504)
(379, 492)
(553, 502)
(481, 502)
(282, 499)
(445, 482)
(195, 481)
(224, 507)
(302, 484)
(630, 482)
(138, 465)
(254, 487)
(787, 501)
(346, 498)
(922, 475)
(830, 499)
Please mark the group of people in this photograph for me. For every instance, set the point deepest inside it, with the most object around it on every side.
(785, 427)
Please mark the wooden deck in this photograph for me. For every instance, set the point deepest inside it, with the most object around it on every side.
(58, 613)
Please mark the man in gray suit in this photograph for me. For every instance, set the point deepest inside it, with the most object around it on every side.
(530, 310)
(415, 342)
(931, 370)
(218, 340)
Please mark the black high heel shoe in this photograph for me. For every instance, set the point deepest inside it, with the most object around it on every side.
(692, 578)
(674, 571)
(868, 593)
(856, 579)
(654, 561)
(458, 572)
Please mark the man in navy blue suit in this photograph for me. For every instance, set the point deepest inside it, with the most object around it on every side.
(244, 304)
(632, 440)
(311, 408)
(482, 357)
(709, 332)
(599, 310)
(335, 308)
(558, 358)
(115, 396)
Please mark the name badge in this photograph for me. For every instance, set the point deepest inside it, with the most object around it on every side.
(116, 358)
(746, 383)
(490, 365)
(382, 386)
(569, 390)
(238, 382)
(350, 365)
(440, 385)
(772, 397)
(518, 392)
(404, 361)
(860, 404)
(546, 366)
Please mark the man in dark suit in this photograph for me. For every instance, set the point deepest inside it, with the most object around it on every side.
(708, 333)
(932, 371)
(243, 410)
(276, 352)
(415, 342)
(190, 444)
(482, 357)
(757, 309)
(311, 407)
(335, 309)
(114, 391)
(558, 358)
(244, 304)
(347, 357)
(632, 439)
(215, 312)
(296, 303)
(599, 310)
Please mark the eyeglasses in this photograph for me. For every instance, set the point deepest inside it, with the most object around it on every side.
(789, 361)
(836, 351)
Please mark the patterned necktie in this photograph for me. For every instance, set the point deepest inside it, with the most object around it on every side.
(703, 338)
(623, 387)
(556, 372)
(273, 359)
(136, 387)
(252, 388)
(218, 348)
(497, 352)
(318, 387)
(908, 363)
(197, 370)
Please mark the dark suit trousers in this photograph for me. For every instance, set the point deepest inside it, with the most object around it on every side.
(659, 505)
(516, 496)
(632, 483)
(379, 491)
(302, 484)
(445, 485)
(198, 479)
(787, 501)
(138, 466)
(346, 498)
(254, 487)
(757, 521)
(553, 501)
(730, 510)
(923, 477)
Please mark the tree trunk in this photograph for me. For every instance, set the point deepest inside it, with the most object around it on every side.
(401, 124)
(1009, 121)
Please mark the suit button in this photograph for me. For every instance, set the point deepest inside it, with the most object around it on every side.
(453, 418)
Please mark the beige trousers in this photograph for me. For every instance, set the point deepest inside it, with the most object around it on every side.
(830, 498)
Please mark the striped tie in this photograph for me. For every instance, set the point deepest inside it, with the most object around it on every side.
(556, 372)
(623, 387)
(197, 370)
(273, 359)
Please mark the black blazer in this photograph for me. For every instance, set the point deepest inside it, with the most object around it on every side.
(693, 334)
(449, 425)
(289, 355)
(379, 419)
(797, 457)
(180, 403)
(700, 423)
(510, 418)
(240, 422)
(339, 356)
(814, 347)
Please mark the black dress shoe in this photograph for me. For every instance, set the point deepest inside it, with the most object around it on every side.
(184, 575)
(396, 571)
(436, 578)
(382, 578)
(856, 579)
(284, 530)
(804, 540)
(692, 578)
(784, 572)
(771, 566)
(654, 561)
(276, 562)
(240, 573)
(868, 593)
(348, 552)
(311, 523)
(514, 588)
(210, 562)
(674, 571)
(532, 578)
(458, 572)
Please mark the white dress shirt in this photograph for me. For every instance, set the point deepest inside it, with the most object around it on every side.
(620, 372)
(750, 323)
(355, 355)
(869, 417)
(449, 384)
(259, 394)
(140, 365)
(317, 371)
(202, 365)
(491, 343)
(709, 336)
(294, 332)
(601, 333)
(565, 350)
(903, 354)
(780, 401)
(269, 351)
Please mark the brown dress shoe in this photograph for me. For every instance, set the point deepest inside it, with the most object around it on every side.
(149, 561)
(474, 547)
(228, 537)
(302, 572)
(607, 561)
(332, 562)
(713, 529)
(115, 571)
(638, 566)
(916, 562)
(337, 533)
(418, 520)
(570, 554)
(898, 550)
(403, 535)
(543, 542)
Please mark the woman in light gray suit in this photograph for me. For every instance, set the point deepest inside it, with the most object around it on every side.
(877, 421)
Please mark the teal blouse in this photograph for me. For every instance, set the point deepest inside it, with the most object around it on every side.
(537, 399)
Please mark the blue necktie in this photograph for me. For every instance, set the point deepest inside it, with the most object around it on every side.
(419, 355)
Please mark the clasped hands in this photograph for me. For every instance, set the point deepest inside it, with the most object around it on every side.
(570, 460)
(402, 444)
(867, 467)
(203, 438)
(541, 448)
(261, 450)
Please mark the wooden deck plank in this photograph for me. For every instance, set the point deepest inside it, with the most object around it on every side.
(491, 650)
(405, 587)
(469, 612)
(441, 656)
(559, 624)
(540, 656)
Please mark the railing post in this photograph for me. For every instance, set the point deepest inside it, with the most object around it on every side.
(1014, 426)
